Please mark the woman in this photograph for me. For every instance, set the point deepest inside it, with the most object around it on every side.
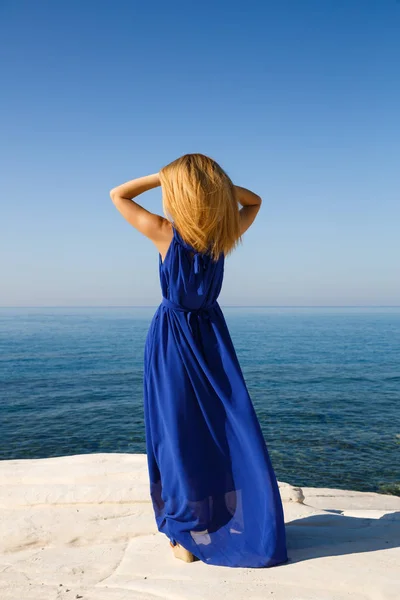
(212, 485)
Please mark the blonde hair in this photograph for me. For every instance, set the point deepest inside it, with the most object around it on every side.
(200, 199)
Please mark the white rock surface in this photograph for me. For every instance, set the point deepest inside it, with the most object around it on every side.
(83, 527)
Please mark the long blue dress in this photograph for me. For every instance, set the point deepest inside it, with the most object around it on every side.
(212, 485)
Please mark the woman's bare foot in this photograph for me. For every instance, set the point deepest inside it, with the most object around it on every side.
(181, 553)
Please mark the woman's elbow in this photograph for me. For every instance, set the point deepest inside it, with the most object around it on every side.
(113, 194)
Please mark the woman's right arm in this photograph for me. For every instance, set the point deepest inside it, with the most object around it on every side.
(250, 203)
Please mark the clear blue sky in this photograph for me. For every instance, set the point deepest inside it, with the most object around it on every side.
(297, 100)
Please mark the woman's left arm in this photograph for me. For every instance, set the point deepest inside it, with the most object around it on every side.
(151, 225)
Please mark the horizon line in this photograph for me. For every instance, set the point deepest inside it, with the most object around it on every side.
(222, 305)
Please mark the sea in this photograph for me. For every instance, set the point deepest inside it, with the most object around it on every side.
(324, 381)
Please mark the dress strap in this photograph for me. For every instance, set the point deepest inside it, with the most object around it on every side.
(175, 232)
(180, 239)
